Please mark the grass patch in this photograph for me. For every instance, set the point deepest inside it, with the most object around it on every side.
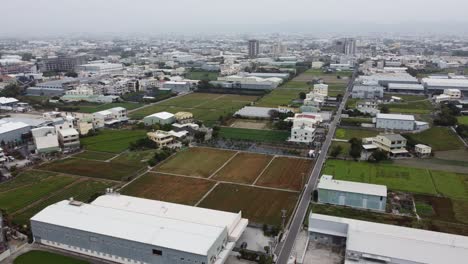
(200, 162)
(83, 190)
(38, 257)
(202, 75)
(451, 184)
(462, 120)
(20, 195)
(253, 134)
(113, 141)
(205, 107)
(439, 138)
(394, 177)
(261, 206)
(348, 133)
(280, 97)
(135, 158)
(94, 169)
(93, 155)
(424, 209)
(167, 188)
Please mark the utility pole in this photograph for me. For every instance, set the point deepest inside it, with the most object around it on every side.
(283, 216)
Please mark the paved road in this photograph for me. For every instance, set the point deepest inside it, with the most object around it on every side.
(296, 223)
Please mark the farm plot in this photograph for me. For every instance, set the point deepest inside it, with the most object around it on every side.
(183, 190)
(348, 133)
(250, 124)
(257, 204)
(199, 162)
(396, 178)
(29, 187)
(94, 155)
(204, 106)
(135, 158)
(439, 138)
(280, 96)
(95, 169)
(286, 173)
(253, 134)
(81, 190)
(243, 168)
(113, 141)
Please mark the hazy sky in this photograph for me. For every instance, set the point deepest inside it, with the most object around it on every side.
(204, 16)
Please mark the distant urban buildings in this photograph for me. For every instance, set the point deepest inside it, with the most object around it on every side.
(254, 48)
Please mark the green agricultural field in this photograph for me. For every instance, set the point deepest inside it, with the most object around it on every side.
(92, 108)
(42, 257)
(200, 162)
(345, 148)
(95, 169)
(16, 193)
(253, 134)
(113, 141)
(396, 178)
(348, 133)
(462, 120)
(280, 96)
(205, 107)
(451, 184)
(93, 155)
(135, 158)
(439, 138)
(202, 75)
(412, 104)
(81, 190)
(296, 84)
(259, 205)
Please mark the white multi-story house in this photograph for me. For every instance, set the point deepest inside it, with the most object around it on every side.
(110, 117)
(394, 144)
(449, 94)
(321, 89)
(69, 138)
(304, 128)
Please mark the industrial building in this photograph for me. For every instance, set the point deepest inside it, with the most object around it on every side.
(438, 85)
(13, 131)
(384, 79)
(353, 194)
(162, 118)
(367, 242)
(126, 229)
(411, 88)
(367, 92)
(101, 68)
(177, 87)
(399, 122)
(247, 82)
(61, 63)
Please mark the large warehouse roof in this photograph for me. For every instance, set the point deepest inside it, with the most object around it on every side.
(389, 241)
(328, 183)
(161, 224)
(448, 83)
(396, 117)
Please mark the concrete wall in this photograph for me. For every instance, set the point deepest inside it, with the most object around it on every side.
(395, 124)
(357, 200)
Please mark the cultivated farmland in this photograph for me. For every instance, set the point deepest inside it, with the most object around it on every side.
(113, 141)
(36, 256)
(169, 188)
(243, 168)
(201, 162)
(95, 169)
(206, 107)
(253, 134)
(257, 204)
(286, 173)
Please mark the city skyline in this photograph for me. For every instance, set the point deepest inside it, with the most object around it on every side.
(52, 17)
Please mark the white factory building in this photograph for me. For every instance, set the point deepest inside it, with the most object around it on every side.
(368, 242)
(101, 68)
(435, 85)
(399, 122)
(126, 229)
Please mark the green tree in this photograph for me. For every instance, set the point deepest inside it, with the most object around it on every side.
(71, 74)
(302, 95)
(384, 109)
(336, 150)
(355, 150)
(11, 90)
(378, 155)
